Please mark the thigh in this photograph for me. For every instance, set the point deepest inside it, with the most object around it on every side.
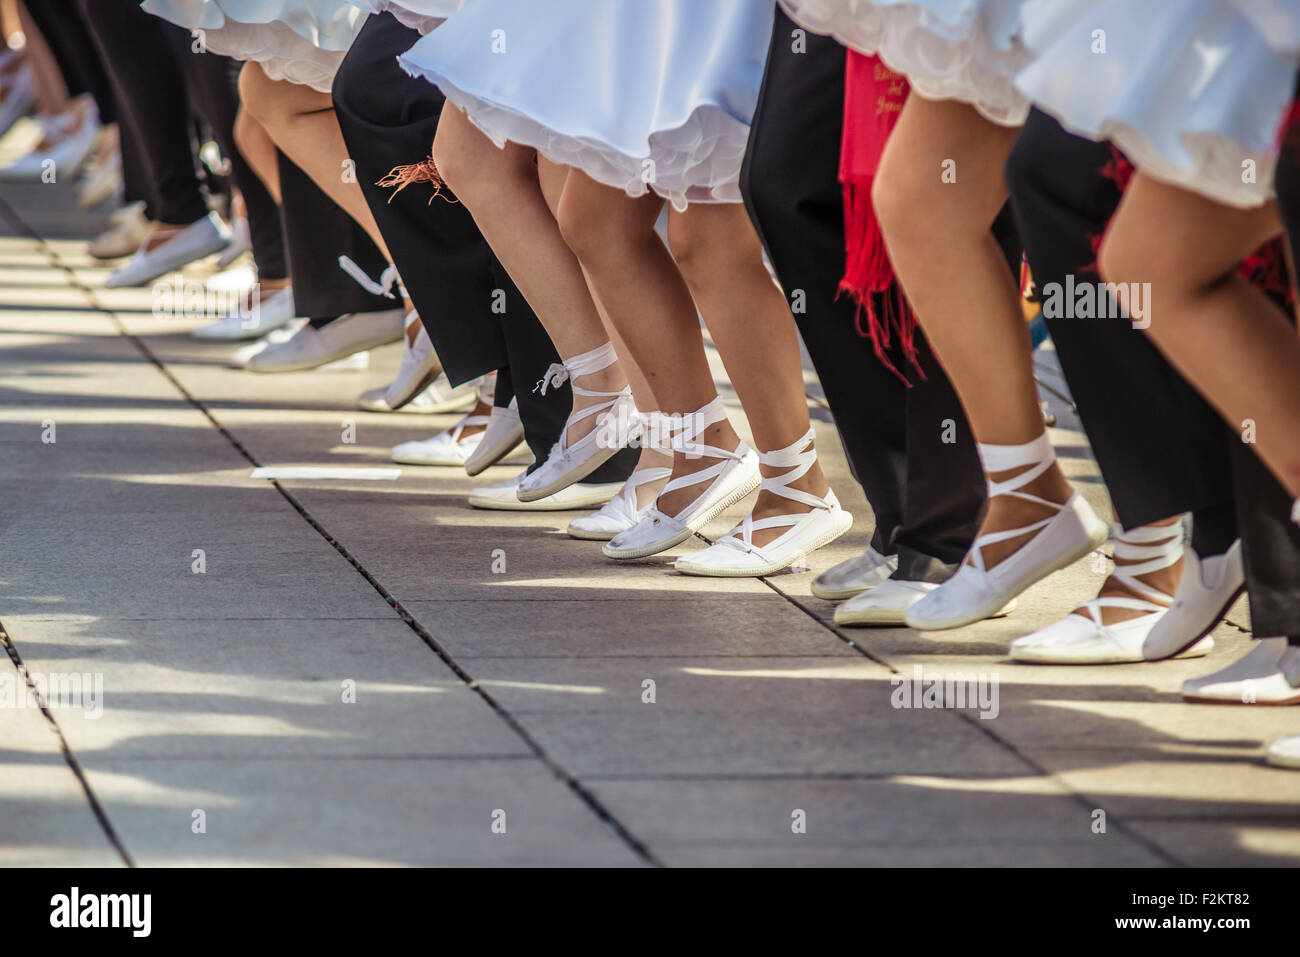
(278, 98)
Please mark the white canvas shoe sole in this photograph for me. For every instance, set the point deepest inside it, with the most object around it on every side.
(813, 533)
(1096, 649)
(693, 524)
(575, 496)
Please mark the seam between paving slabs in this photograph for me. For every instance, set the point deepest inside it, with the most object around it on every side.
(97, 809)
(982, 727)
(633, 843)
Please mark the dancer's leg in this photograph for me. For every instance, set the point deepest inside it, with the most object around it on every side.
(301, 122)
(1223, 334)
(938, 191)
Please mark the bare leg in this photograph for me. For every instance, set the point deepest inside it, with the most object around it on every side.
(720, 257)
(1218, 330)
(301, 121)
(258, 150)
(958, 282)
(650, 305)
(502, 189)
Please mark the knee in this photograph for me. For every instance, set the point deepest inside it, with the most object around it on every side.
(257, 93)
(592, 231)
(905, 208)
(688, 248)
(460, 154)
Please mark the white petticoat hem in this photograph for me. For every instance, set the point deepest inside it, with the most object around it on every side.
(696, 161)
(941, 61)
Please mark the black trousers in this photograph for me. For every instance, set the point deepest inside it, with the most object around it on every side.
(149, 89)
(1161, 448)
(476, 317)
(64, 29)
(927, 495)
(316, 232)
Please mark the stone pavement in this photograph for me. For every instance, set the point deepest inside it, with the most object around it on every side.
(349, 681)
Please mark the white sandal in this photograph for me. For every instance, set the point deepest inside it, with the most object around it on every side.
(729, 480)
(976, 592)
(1079, 640)
(736, 556)
(617, 423)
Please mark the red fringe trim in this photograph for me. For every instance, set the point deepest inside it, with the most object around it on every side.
(869, 281)
(425, 171)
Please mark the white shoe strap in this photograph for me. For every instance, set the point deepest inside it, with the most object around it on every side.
(1150, 548)
(1039, 455)
(558, 373)
(387, 279)
(468, 422)
(487, 388)
(798, 457)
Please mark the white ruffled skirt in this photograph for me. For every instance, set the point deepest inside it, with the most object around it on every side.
(421, 15)
(1193, 91)
(964, 50)
(639, 94)
(302, 41)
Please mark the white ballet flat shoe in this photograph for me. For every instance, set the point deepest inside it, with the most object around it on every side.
(887, 603)
(440, 397)
(975, 592)
(884, 604)
(449, 447)
(270, 313)
(1259, 677)
(503, 435)
(1084, 640)
(126, 231)
(736, 556)
(196, 241)
(503, 496)
(854, 575)
(311, 347)
(420, 365)
(729, 481)
(67, 154)
(1207, 590)
(1284, 752)
(616, 424)
(621, 512)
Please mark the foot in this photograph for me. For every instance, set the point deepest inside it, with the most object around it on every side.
(793, 523)
(1115, 626)
(312, 347)
(266, 310)
(1053, 532)
(451, 446)
(420, 364)
(854, 575)
(1268, 674)
(504, 496)
(168, 248)
(604, 420)
(502, 436)
(629, 506)
(1284, 752)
